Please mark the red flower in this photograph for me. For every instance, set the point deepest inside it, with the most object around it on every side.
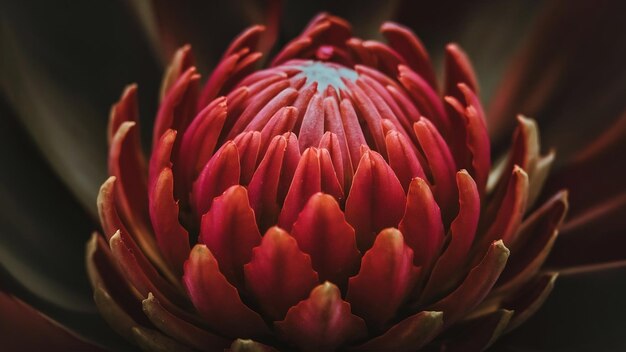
(332, 200)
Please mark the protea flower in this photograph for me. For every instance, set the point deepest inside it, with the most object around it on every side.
(332, 200)
(62, 67)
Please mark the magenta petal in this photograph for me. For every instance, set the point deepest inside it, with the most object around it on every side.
(476, 285)
(322, 232)
(421, 224)
(216, 299)
(221, 172)
(386, 277)
(322, 322)
(229, 230)
(409, 335)
(529, 298)
(279, 274)
(376, 200)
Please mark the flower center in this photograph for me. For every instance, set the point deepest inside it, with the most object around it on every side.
(326, 74)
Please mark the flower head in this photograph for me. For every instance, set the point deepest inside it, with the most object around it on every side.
(332, 200)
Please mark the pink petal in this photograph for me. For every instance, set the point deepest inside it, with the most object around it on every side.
(322, 322)
(386, 277)
(217, 300)
(279, 274)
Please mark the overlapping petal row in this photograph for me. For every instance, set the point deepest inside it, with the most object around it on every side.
(330, 201)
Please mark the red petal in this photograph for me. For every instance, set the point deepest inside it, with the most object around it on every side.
(131, 192)
(172, 238)
(409, 335)
(217, 300)
(263, 187)
(107, 211)
(322, 232)
(161, 156)
(376, 200)
(279, 274)
(458, 70)
(182, 61)
(535, 240)
(441, 163)
(229, 230)
(386, 278)
(306, 182)
(221, 172)
(312, 127)
(125, 110)
(421, 224)
(178, 107)
(281, 122)
(450, 265)
(199, 141)
(330, 142)
(510, 211)
(476, 285)
(180, 329)
(322, 322)
(403, 159)
(406, 43)
(425, 97)
(248, 145)
(143, 276)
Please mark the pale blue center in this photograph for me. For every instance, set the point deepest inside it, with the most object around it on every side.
(326, 74)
